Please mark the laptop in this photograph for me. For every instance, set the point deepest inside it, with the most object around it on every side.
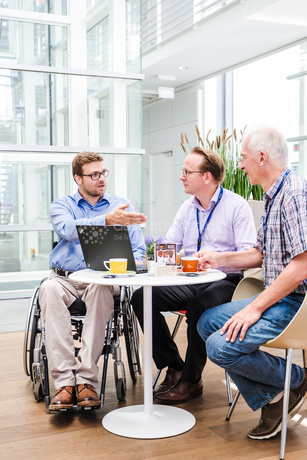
(100, 243)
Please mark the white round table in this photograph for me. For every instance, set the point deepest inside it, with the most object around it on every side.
(148, 420)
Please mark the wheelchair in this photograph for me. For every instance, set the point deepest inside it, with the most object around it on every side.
(122, 322)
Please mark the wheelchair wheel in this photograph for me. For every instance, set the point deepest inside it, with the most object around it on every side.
(31, 324)
(132, 339)
(38, 392)
(120, 390)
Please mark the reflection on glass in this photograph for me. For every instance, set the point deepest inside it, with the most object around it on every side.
(31, 43)
(28, 189)
(114, 112)
(46, 119)
(111, 116)
(25, 251)
(41, 6)
(98, 46)
(115, 48)
(297, 157)
(297, 106)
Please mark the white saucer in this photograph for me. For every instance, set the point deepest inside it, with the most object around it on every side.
(192, 273)
(119, 275)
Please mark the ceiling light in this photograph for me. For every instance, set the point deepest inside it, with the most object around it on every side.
(183, 67)
(167, 77)
(166, 93)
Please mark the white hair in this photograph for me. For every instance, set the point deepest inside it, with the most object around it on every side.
(269, 140)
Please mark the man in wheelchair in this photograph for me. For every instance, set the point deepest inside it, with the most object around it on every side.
(91, 205)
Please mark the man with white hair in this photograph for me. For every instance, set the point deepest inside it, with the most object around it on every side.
(233, 332)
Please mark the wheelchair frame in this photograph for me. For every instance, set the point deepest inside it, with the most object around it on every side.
(122, 322)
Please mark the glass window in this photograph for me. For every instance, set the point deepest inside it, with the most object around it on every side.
(28, 189)
(25, 251)
(113, 44)
(133, 36)
(45, 122)
(98, 46)
(111, 117)
(260, 93)
(33, 43)
(114, 112)
(297, 88)
(41, 6)
(273, 91)
(297, 157)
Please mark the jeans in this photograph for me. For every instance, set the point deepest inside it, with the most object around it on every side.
(194, 299)
(258, 375)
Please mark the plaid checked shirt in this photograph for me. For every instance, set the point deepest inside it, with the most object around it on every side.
(286, 227)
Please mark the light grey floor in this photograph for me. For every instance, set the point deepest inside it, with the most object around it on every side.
(13, 314)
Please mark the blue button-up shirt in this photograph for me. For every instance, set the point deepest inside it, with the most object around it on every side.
(74, 210)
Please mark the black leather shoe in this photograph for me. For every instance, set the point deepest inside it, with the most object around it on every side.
(171, 378)
(181, 392)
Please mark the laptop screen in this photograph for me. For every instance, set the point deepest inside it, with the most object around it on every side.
(100, 243)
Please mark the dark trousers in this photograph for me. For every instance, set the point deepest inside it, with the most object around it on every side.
(194, 299)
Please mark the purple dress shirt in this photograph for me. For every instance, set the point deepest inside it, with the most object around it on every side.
(231, 227)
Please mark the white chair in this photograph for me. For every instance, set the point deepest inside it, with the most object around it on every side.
(250, 285)
(294, 336)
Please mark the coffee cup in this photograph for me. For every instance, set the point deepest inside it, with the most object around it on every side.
(189, 264)
(118, 266)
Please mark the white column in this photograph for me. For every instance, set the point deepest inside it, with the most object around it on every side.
(78, 85)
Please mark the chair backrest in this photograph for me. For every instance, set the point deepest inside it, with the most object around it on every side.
(295, 334)
(249, 286)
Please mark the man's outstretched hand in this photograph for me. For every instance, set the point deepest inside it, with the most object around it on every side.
(122, 217)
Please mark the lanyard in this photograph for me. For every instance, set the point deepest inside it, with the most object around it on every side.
(265, 219)
(200, 234)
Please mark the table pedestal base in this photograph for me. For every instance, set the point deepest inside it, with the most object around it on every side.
(162, 422)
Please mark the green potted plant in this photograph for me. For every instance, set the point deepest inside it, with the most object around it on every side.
(228, 146)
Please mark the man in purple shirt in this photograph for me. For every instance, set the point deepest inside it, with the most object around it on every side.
(212, 219)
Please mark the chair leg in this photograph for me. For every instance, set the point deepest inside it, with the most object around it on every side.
(174, 333)
(233, 405)
(285, 404)
(228, 388)
(232, 401)
(304, 358)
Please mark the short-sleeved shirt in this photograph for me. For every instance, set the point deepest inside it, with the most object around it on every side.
(286, 227)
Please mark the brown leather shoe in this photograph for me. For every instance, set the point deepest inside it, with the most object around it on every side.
(171, 378)
(87, 396)
(63, 398)
(181, 392)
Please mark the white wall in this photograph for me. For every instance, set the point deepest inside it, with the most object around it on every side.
(163, 123)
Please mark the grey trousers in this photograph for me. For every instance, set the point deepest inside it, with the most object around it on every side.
(57, 294)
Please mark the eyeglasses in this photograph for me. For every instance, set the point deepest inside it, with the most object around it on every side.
(97, 175)
(186, 173)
